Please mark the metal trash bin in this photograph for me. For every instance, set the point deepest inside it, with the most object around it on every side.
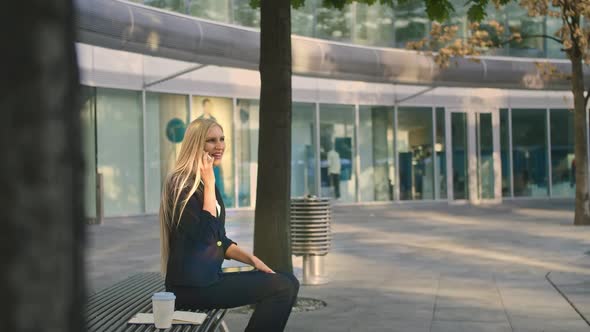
(311, 236)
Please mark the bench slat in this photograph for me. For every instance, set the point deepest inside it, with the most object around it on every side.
(110, 309)
(124, 304)
(102, 303)
(106, 294)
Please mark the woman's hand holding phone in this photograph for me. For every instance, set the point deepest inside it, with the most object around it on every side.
(207, 174)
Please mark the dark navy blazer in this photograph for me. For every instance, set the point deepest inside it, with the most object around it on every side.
(197, 245)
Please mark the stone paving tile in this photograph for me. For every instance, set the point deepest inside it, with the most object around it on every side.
(544, 311)
(396, 326)
(470, 314)
(407, 312)
(576, 287)
(534, 324)
(478, 301)
(461, 326)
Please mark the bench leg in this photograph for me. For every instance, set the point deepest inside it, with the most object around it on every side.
(223, 327)
(216, 322)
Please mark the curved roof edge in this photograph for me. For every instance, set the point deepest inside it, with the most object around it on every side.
(141, 29)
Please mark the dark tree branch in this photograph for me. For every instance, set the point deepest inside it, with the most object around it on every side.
(565, 21)
(571, 22)
(533, 36)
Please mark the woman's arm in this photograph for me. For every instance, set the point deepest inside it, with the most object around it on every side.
(209, 198)
(236, 253)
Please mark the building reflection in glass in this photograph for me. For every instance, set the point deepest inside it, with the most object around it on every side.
(415, 153)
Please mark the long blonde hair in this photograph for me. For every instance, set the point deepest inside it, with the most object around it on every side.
(182, 182)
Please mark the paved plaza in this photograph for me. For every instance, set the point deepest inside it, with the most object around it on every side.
(431, 267)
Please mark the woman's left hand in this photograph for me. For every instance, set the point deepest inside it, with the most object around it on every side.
(207, 174)
(259, 265)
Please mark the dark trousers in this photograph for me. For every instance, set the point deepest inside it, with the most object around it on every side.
(335, 178)
(273, 294)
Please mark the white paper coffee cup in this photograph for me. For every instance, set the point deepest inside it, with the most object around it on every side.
(163, 307)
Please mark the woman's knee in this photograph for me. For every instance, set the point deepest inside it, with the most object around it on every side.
(292, 282)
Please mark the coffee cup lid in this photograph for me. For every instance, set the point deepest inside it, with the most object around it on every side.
(163, 296)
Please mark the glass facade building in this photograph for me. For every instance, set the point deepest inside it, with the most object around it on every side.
(377, 24)
(392, 142)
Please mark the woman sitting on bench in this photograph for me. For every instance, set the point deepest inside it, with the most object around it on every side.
(194, 243)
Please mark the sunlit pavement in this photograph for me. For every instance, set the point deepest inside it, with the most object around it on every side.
(519, 266)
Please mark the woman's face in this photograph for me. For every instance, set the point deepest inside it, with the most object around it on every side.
(215, 144)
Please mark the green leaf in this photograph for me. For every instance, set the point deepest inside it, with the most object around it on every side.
(255, 3)
(297, 3)
(476, 13)
(339, 4)
(439, 10)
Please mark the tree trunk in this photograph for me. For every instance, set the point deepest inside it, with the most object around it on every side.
(272, 241)
(582, 214)
(41, 175)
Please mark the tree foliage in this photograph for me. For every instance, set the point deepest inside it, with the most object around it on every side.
(486, 35)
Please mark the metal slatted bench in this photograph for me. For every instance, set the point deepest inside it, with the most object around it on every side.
(110, 309)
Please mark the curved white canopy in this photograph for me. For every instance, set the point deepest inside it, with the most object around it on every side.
(141, 29)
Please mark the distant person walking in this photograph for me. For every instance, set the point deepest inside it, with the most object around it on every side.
(334, 170)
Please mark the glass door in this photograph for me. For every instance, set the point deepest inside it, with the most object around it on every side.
(458, 159)
(473, 162)
(485, 155)
(88, 124)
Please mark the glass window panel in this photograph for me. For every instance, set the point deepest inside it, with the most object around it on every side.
(334, 24)
(529, 150)
(120, 150)
(414, 146)
(167, 117)
(247, 148)
(337, 152)
(88, 118)
(216, 10)
(303, 150)
(519, 21)
(221, 110)
(458, 17)
(178, 6)
(485, 163)
(562, 153)
(554, 49)
(411, 23)
(373, 24)
(505, 152)
(303, 19)
(459, 153)
(377, 171)
(441, 156)
(245, 15)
